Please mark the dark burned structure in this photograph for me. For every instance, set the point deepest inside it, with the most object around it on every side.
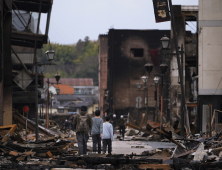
(20, 37)
(122, 56)
(128, 51)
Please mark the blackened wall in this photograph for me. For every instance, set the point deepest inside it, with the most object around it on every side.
(125, 69)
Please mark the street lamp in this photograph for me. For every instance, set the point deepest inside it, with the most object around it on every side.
(165, 41)
(50, 56)
(139, 85)
(57, 90)
(57, 77)
(163, 69)
(144, 79)
(149, 67)
(156, 80)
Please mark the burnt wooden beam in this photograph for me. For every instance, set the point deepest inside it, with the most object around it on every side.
(11, 128)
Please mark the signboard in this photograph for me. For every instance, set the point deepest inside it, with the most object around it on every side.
(23, 79)
(161, 10)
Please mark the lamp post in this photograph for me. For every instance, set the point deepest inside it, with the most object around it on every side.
(57, 90)
(163, 69)
(179, 66)
(50, 56)
(156, 80)
(139, 85)
(57, 77)
(165, 41)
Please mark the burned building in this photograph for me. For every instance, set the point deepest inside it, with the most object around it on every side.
(122, 56)
(126, 52)
(20, 37)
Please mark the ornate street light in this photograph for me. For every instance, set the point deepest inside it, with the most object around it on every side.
(57, 90)
(156, 80)
(144, 79)
(139, 85)
(57, 77)
(165, 41)
(149, 67)
(163, 68)
(50, 55)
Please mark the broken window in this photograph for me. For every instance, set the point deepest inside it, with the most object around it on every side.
(137, 52)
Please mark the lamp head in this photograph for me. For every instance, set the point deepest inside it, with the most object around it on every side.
(57, 77)
(50, 55)
(57, 90)
(149, 67)
(144, 79)
(163, 68)
(165, 41)
(139, 85)
(156, 80)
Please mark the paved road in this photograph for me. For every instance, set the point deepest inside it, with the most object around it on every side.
(127, 147)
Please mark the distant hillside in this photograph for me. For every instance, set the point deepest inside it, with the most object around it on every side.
(79, 60)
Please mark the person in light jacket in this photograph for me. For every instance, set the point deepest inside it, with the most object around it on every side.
(107, 135)
(97, 131)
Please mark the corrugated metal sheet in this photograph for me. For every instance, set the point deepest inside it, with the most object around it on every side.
(73, 81)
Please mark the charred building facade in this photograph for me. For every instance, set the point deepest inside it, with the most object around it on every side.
(20, 37)
(126, 53)
(122, 56)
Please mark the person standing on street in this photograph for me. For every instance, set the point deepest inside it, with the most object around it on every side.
(121, 124)
(107, 135)
(97, 131)
(82, 123)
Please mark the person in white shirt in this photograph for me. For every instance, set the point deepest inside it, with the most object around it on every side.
(107, 135)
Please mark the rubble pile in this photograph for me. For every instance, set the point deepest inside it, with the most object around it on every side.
(57, 150)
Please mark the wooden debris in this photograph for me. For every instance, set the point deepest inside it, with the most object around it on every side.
(154, 166)
(50, 155)
(6, 131)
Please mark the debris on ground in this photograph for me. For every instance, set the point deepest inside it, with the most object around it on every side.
(57, 150)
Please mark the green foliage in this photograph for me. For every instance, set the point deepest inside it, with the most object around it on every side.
(79, 60)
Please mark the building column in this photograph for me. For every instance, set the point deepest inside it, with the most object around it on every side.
(175, 90)
(7, 63)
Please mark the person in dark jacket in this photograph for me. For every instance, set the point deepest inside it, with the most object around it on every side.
(121, 124)
(82, 123)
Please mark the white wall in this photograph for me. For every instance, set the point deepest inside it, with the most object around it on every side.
(210, 47)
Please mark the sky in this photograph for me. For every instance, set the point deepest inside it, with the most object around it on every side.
(72, 20)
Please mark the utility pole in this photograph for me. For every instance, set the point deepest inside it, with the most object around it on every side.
(179, 66)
